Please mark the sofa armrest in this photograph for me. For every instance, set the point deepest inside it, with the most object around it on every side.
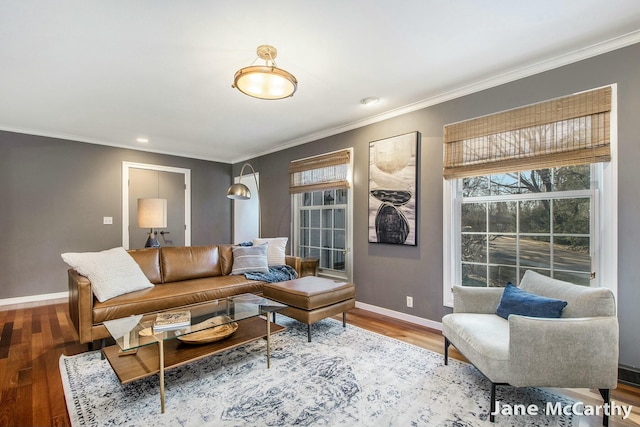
(476, 300)
(566, 352)
(294, 261)
(81, 305)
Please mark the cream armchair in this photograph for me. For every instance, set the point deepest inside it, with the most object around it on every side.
(577, 350)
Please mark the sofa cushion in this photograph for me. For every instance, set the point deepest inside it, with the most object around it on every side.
(189, 262)
(517, 301)
(173, 295)
(250, 259)
(582, 301)
(483, 339)
(226, 258)
(310, 292)
(112, 272)
(276, 251)
(149, 261)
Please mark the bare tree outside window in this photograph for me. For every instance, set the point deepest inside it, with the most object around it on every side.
(538, 219)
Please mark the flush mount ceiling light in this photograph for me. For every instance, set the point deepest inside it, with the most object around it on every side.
(265, 81)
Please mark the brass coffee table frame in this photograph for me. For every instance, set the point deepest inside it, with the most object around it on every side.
(253, 324)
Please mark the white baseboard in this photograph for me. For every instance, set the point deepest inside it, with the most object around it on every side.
(400, 316)
(33, 298)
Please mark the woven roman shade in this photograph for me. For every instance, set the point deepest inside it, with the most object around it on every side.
(561, 132)
(320, 172)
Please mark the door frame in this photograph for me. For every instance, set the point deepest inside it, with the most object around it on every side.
(126, 166)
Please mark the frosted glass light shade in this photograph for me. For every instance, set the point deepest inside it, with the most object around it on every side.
(152, 213)
(265, 82)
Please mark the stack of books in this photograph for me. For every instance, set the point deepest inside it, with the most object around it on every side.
(172, 320)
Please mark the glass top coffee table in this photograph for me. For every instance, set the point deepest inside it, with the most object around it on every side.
(142, 351)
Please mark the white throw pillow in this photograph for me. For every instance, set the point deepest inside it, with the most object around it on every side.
(276, 251)
(112, 272)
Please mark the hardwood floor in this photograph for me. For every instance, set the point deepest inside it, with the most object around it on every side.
(35, 335)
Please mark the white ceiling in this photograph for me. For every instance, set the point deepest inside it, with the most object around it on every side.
(109, 72)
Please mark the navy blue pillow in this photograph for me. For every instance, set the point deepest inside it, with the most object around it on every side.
(517, 301)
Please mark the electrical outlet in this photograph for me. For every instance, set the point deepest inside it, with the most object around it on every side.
(107, 220)
(410, 302)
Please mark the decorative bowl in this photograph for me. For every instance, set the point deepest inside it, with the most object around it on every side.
(212, 334)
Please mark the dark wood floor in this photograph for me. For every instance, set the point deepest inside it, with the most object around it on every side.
(35, 335)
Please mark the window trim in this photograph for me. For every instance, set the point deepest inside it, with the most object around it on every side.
(606, 237)
(607, 198)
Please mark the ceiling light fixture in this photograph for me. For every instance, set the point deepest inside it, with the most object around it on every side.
(265, 81)
(369, 101)
(142, 140)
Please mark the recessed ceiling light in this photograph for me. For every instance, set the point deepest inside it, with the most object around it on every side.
(369, 100)
(142, 140)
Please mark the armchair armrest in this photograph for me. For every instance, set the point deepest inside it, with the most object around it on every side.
(566, 352)
(476, 300)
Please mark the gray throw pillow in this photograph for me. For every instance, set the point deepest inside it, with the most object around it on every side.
(250, 259)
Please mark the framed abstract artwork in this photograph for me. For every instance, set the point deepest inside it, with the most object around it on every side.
(393, 192)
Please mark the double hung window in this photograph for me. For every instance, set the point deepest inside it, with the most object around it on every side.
(538, 220)
(322, 211)
(322, 228)
(532, 189)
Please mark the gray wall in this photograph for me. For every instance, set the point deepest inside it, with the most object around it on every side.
(385, 274)
(54, 194)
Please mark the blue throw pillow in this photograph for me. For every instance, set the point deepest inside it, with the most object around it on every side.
(517, 301)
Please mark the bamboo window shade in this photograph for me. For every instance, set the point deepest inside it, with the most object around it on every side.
(566, 131)
(324, 172)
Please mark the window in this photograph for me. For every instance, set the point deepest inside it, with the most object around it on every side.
(537, 220)
(321, 211)
(322, 229)
(533, 188)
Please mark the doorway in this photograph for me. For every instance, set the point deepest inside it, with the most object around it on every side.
(141, 180)
(246, 213)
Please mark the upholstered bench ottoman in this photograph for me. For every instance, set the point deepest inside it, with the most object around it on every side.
(312, 298)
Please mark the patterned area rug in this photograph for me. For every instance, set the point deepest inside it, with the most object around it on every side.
(348, 377)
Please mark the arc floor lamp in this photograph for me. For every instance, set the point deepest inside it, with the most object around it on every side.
(239, 191)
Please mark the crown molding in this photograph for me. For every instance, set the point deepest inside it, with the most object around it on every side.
(507, 77)
(96, 141)
(530, 70)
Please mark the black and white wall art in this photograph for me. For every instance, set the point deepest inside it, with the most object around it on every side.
(393, 167)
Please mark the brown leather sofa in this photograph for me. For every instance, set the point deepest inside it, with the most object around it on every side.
(184, 276)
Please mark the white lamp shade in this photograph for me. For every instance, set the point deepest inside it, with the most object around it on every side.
(152, 213)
